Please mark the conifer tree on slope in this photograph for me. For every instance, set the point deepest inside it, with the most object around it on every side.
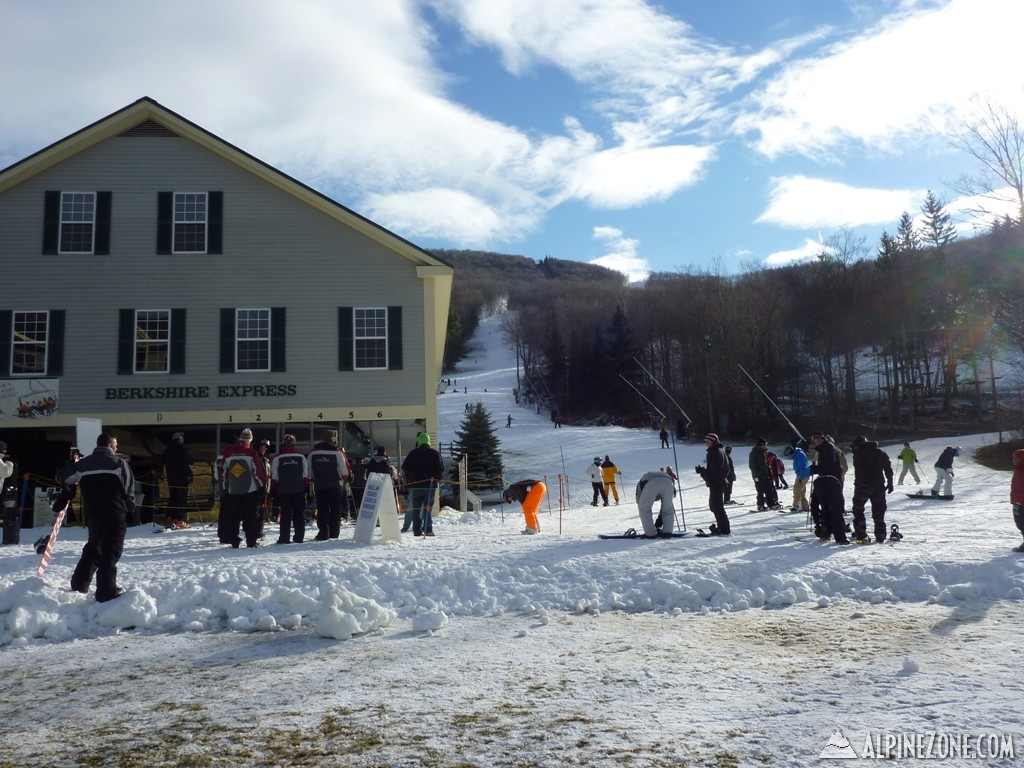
(477, 439)
(936, 230)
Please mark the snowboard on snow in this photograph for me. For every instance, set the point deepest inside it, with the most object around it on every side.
(940, 497)
(632, 533)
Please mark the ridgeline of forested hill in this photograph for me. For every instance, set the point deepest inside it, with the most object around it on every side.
(906, 339)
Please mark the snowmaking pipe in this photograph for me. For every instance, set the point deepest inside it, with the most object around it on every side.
(689, 421)
(797, 431)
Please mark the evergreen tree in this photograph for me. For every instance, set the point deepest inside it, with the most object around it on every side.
(907, 239)
(937, 230)
(887, 248)
(476, 438)
(618, 362)
(555, 366)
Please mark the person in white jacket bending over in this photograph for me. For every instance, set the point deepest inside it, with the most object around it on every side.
(656, 486)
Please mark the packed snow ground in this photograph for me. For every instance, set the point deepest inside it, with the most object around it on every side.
(483, 647)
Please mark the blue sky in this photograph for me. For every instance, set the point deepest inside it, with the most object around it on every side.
(644, 137)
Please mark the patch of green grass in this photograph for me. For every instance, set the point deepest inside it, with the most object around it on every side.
(998, 455)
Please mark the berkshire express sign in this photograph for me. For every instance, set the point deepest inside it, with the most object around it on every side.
(195, 393)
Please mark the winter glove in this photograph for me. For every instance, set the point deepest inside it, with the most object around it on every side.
(950, 472)
(888, 488)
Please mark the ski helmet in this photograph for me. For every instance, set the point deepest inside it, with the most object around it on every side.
(597, 459)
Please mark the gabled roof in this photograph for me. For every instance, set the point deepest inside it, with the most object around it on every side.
(148, 116)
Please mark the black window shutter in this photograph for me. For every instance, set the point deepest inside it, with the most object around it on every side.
(394, 338)
(125, 342)
(346, 333)
(177, 341)
(6, 330)
(101, 244)
(164, 221)
(227, 340)
(55, 344)
(215, 222)
(51, 223)
(277, 339)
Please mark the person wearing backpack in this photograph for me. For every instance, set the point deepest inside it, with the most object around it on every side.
(328, 469)
(245, 483)
(289, 481)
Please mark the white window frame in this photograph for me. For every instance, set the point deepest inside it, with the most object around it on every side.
(16, 342)
(369, 331)
(156, 343)
(187, 216)
(252, 335)
(76, 218)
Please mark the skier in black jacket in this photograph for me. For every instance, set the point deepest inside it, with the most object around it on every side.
(108, 499)
(716, 475)
(827, 497)
(872, 480)
(944, 471)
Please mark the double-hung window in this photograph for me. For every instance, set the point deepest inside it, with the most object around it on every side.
(189, 222)
(252, 349)
(152, 340)
(371, 338)
(77, 221)
(252, 340)
(31, 342)
(28, 345)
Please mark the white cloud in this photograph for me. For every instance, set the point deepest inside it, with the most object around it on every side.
(907, 79)
(620, 178)
(650, 75)
(809, 250)
(799, 202)
(447, 214)
(622, 254)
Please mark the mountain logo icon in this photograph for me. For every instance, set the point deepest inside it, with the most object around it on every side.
(838, 748)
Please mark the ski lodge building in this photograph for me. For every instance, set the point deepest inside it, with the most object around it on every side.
(159, 279)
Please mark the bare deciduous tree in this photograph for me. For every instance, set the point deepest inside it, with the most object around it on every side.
(994, 136)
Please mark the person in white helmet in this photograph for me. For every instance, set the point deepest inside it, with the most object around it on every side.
(597, 481)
